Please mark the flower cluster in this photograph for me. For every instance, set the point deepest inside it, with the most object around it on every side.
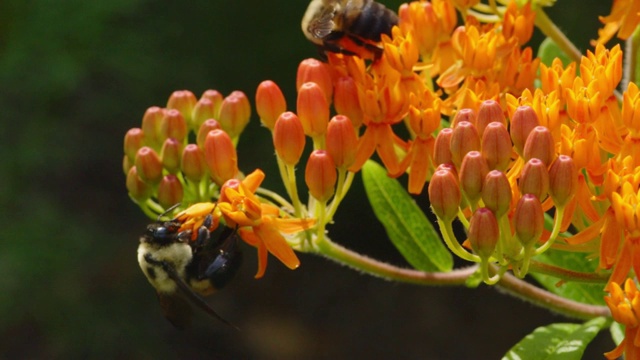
(519, 152)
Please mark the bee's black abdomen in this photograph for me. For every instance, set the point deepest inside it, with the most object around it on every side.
(373, 21)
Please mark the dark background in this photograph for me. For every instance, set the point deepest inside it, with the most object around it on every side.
(74, 76)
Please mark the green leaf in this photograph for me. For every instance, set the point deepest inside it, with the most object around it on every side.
(549, 50)
(617, 332)
(408, 228)
(581, 292)
(557, 341)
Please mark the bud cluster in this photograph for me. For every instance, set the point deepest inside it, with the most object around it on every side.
(186, 151)
(502, 181)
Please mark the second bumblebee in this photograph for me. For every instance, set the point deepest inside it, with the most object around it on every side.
(351, 27)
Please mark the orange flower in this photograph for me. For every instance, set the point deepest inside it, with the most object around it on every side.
(624, 18)
(260, 225)
(625, 308)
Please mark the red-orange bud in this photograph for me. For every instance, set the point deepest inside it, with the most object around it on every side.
(464, 139)
(171, 154)
(193, 164)
(288, 138)
(442, 147)
(170, 191)
(489, 111)
(148, 165)
(539, 145)
(204, 109)
(320, 175)
(496, 146)
(151, 124)
(346, 101)
(270, 103)
(235, 112)
(524, 119)
(173, 125)
(484, 232)
(183, 101)
(133, 141)
(312, 70)
(205, 128)
(444, 194)
(563, 180)
(221, 156)
(341, 141)
(496, 192)
(528, 220)
(465, 114)
(534, 179)
(138, 189)
(472, 173)
(216, 99)
(313, 109)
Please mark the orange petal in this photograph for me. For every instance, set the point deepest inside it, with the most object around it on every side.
(276, 244)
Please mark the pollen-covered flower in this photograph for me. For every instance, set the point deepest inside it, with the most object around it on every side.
(259, 224)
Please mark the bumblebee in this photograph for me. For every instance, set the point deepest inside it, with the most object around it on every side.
(350, 27)
(182, 271)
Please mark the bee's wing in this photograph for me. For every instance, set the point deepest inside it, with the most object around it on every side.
(194, 298)
(322, 26)
(176, 309)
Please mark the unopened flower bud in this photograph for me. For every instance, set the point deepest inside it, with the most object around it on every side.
(193, 164)
(148, 165)
(563, 180)
(151, 124)
(235, 112)
(320, 175)
(216, 99)
(173, 125)
(484, 232)
(183, 101)
(204, 110)
(312, 70)
(341, 141)
(464, 139)
(221, 156)
(489, 111)
(539, 145)
(346, 101)
(444, 195)
(528, 220)
(313, 109)
(171, 154)
(524, 119)
(496, 192)
(442, 147)
(496, 146)
(534, 179)
(137, 188)
(270, 103)
(170, 191)
(205, 129)
(465, 114)
(288, 138)
(472, 173)
(133, 141)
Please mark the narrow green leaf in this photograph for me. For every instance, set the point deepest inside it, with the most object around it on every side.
(557, 341)
(408, 228)
(581, 292)
(617, 332)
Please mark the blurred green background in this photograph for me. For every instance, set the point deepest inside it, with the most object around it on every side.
(74, 76)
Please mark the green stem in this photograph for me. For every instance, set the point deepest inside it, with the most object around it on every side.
(386, 271)
(548, 28)
(554, 233)
(508, 283)
(537, 296)
(453, 244)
